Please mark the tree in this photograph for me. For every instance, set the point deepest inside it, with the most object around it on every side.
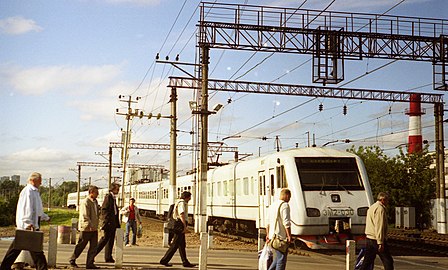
(406, 177)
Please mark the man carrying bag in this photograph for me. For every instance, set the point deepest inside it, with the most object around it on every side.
(29, 213)
(278, 230)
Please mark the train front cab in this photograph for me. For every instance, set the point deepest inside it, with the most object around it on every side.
(336, 196)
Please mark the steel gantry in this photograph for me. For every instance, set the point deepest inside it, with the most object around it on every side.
(329, 36)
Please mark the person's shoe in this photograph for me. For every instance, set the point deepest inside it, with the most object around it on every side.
(111, 260)
(135, 245)
(189, 265)
(92, 267)
(73, 263)
(128, 245)
(166, 264)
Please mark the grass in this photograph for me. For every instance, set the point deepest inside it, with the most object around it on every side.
(59, 217)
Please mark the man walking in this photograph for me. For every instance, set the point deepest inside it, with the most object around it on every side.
(29, 213)
(180, 212)
(376, 233)
(131, 216)
(279, 225)
(88, 227)
(109, 223)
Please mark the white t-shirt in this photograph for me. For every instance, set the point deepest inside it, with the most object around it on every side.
(182, 207)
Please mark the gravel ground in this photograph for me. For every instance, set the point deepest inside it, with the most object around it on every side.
(152, 237)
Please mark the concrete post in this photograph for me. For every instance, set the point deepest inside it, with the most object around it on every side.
(53, 246)
(203, 251)
(210, 237)
(350, 254)
(119, 248)
(261, 238)
(166, 235)
(74, 230)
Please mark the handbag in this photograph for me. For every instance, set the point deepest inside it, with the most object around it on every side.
(276, 242)
(265, 258)
(29, 240)
(140, 231)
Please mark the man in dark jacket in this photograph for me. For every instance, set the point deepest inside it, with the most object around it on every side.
(109, 223)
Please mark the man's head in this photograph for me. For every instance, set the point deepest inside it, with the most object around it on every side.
(285, 195)
(93, 192)
(186, 196)
(131, 201)
(114, 188)
(35, 179)
(383, 197)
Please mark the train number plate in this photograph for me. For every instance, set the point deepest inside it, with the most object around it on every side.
(338, 212)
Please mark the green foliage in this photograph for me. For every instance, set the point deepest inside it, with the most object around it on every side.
(407, 178)
(61, 217)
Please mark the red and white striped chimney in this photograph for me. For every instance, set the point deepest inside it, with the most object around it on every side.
(415, 124)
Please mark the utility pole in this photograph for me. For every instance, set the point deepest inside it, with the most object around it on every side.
(173, 146)
(49, 194)
(130, 114)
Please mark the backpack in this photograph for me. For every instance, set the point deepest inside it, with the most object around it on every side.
(170, 212)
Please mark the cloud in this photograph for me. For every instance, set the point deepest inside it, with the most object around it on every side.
(136, 2)
(40, 80)
(18, 25)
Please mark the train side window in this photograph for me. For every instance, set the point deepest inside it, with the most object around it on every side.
(272, 185)
(224, 187)
(281, 177)
(239, 188)
(246, 186)
(252, 184)
(219, 188)
(231, 188)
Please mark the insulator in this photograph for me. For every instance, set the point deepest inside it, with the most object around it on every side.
(344, 110)
(177, 57)
(157, 56)
(167, 58)
(321, 107)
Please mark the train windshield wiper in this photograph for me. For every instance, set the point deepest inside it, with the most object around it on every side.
(322, 191)
(339, 185)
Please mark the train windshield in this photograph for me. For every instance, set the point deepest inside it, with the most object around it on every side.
(326, 173)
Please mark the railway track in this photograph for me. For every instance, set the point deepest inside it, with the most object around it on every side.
(421, 242)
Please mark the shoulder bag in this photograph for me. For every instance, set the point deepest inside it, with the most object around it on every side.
(276, 242)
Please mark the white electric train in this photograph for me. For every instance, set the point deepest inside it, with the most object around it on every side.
(330, 195)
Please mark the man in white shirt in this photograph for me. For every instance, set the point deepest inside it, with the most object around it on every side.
(29, 213)
(180, 213)
(279, 224)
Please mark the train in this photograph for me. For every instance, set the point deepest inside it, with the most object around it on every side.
(330, 195)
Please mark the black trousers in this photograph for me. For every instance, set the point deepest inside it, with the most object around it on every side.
(178, 242)
(107, 240)
(84, 238)
(372, 251)
(11, 255)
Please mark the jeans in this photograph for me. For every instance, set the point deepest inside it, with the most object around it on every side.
(279, 262)
(372, 251)
(131, 225)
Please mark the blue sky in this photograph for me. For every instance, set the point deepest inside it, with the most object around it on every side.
(63, 64)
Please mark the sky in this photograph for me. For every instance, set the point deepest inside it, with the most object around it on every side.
(64, 63)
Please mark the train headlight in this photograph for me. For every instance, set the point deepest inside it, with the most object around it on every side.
(312, 212)
(362, 211)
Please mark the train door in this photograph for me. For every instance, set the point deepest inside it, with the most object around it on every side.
(262, 202)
